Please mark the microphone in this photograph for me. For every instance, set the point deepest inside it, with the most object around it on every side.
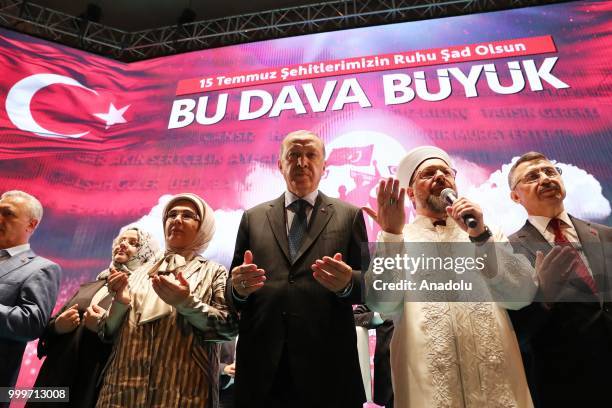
(449, 195)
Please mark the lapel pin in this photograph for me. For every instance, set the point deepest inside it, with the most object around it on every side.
(323, 210)
(593, 232)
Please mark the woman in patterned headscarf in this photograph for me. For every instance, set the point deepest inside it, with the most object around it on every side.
(167, 319)
(75, 354)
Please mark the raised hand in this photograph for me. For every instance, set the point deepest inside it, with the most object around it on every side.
(553, 270)
(172, 291)
(390, 200)
(332, 273)
(118, 283)
(247, 278)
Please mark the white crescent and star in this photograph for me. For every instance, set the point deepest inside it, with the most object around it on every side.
(20, 96)
(113, 115)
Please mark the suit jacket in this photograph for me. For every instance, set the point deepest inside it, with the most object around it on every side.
(28, 290)
(383, 389)
(292, 310)
(567, 348)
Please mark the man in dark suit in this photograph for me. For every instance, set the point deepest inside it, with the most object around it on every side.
(566, 337)
(294, 276)
(28, 283)
(383, 389)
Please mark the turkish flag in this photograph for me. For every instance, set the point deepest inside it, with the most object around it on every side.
(356, 156)
(70, 101)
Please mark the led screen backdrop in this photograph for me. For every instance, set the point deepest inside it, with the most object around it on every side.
(102, 143)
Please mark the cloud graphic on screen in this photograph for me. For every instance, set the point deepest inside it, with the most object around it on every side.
(262, 183)
(220, 249)
(493, 195)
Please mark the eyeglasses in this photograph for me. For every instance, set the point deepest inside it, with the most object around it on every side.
(430, 172)
(185, 215)
(534, 175)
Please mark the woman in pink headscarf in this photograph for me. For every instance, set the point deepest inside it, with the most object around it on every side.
(167, 317)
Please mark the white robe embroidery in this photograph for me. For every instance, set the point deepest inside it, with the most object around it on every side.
(458, 354)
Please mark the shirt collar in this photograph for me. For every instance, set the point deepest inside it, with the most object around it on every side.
(541, 222)
(16, 250)
(311, 198)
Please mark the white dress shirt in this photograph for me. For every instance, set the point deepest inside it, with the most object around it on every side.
(568, 229)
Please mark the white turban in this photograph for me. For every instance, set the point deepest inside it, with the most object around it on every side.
(413, 160)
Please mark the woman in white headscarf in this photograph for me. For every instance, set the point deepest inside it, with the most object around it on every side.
(167, 319)
(75, 354)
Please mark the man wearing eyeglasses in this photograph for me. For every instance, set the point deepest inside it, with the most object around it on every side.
(446, 352)
(566, 338)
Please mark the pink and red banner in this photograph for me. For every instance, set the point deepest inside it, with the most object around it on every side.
(101, 143)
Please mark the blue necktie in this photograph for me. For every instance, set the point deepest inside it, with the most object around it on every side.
(298, 226)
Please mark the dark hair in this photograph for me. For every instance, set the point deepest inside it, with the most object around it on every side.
(527, 157)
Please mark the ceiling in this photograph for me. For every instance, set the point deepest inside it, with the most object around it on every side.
(136, 15)
(133, 30)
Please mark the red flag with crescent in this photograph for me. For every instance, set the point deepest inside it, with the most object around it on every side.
(64, 103)
(356, 156)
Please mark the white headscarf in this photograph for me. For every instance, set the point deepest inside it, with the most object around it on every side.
(149, 306)
(206, 229)
(147, 248)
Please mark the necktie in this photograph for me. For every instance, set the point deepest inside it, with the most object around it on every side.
(581, 269)
(298, 226)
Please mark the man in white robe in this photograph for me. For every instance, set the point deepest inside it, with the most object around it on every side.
(450, 354)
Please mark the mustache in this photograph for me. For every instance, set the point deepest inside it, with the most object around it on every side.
(302, 169)
(441, 184)
(551, 185)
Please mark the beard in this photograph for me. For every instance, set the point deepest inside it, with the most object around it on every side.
(433, 203)
(436, 204)
(431, 199)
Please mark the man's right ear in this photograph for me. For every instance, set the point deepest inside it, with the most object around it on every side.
(515, 197)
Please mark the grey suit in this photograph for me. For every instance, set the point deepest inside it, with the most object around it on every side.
(567, 348)
(28, 290)
(293, 327)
